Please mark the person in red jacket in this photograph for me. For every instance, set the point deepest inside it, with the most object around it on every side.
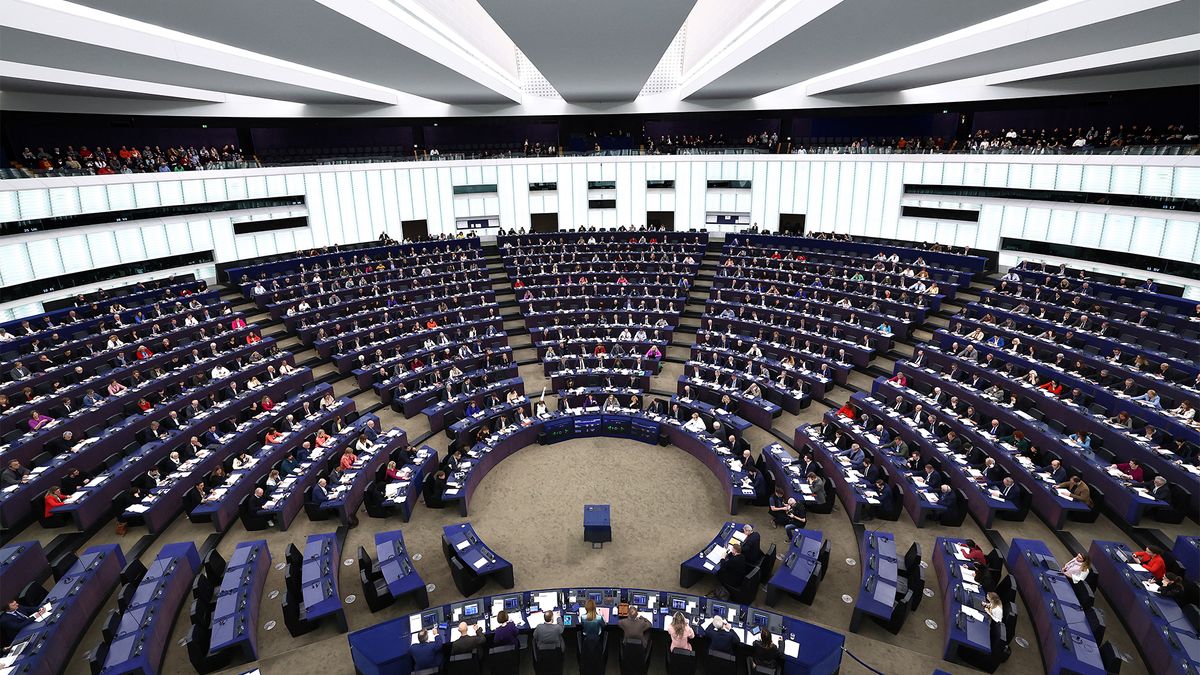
(238, 323)
(1132, 469)
(54, 497)
(1151, 559)
(143, 352)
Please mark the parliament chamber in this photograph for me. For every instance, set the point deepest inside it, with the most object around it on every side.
(448, 339)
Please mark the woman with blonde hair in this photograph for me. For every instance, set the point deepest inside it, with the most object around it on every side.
(680, 632)
(993, 606)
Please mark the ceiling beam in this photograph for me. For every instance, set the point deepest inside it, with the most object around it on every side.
(409, 24)
(1153, 50)
(69, 21)
(73, 78)
(771, 24)
(1047, 18)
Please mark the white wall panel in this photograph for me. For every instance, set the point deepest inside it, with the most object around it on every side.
(844, 194)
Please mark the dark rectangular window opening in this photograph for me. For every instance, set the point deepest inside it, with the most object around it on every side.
(30, 289)
(270, 225)
(660, 185)
(543, 187)
(104, 217)
(729, 184)
(474, 189)
(602, 203)
(1148, 263)
(1062, 196)
(602, 185)
(939, 214)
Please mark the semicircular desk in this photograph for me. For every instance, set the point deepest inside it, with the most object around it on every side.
(626, 423)
(808, 649)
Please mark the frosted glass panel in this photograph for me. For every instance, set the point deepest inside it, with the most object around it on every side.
(129, 243)
(1096, 178)
(1044, 177)
(1088, 228)
(93, 198)
(1019, 175)
(1062, 226)
(10, 208)
(103, 246)
(45, 252)
(171, 192)
(201, 235)
(193, 191)
(1070, 177)
(235, 188)
(178, 239)
(121, 197)
(1037, 224)
(215, 189)
(155, 238)
(1179, 240)
(974, 174)
(1117, 232)
(74, 251)
(1012, 223)
(222, 244)
(953, 174)
(997, 175)
(1126, 180)
(1156, 180)
(256, 186)
(1147, 236)
(64, 201)
(34, 204)
(14, 264)
(1187, 182)
(146, 195)
(277, 186)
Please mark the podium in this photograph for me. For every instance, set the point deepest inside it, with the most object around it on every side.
(597, 524)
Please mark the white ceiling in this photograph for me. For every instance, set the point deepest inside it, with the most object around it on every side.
(283, 58)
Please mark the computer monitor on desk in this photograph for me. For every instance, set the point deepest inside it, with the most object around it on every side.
(643, 600)
(432, 617)
(765, 620)
(466, 611)
(688, 604)
(727, 612)
(508, 603)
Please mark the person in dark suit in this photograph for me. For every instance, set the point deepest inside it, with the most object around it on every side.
(948, 499)
(809, 465)
(319, 492)
(1058, 472)
(466, 643)
(991, 471)
(1160, 489)
(752, 546)
(766, 654)
(733, 567)
(885, 494)
(933, 477)
(720, 638)
(14, 618)
(427, 652)
(871, 471)
(211, 437)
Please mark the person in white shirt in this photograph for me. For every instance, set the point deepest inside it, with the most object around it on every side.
(695, 424)
(242, 461)
(363, 443)
(220, 372)
(6, 336)
(994, 607)
(1078, 568)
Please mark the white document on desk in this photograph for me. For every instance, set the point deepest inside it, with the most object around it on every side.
(716, 554)
(791, 648)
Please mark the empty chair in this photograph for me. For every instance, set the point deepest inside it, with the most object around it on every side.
(291, 615)
(97, 656)
(375, 592)
(197, 642)
(548, 661)
(463, 664)
(133, 572)
(720, 663)
(366, 564)
(33, 594)
(634, 657)
(1007, 589)
(202, 588)
(467, 582)
(593, 654)
(504, 659)
(1108, 656)
(125, 596)
(108, 629)
(214, 564)
(63, 565)
(912, 559)
(1097, 622)
(768, 564)
(681, 662)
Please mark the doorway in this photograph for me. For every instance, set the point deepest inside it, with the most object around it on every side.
(791, 223)
(543, 222)
(661, 219)
(415, 230)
